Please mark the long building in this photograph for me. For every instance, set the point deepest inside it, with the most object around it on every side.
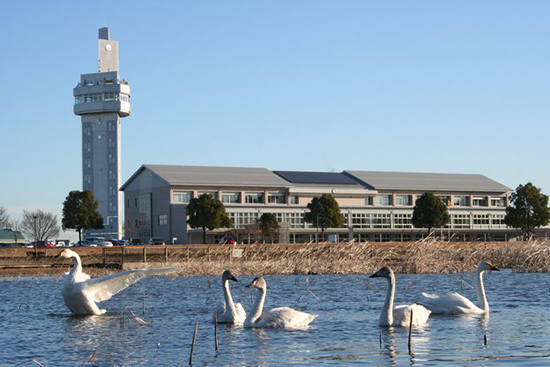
(377, 206)
(102, 99)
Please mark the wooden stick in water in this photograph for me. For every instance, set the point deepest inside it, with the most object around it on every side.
(410, 331)
(193, 344)
(216, 332)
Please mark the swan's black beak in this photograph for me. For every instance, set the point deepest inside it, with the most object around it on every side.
(58, 255)
(494, 268)
(233, 278)
(375, 275)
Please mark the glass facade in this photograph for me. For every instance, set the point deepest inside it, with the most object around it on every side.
(100, 97)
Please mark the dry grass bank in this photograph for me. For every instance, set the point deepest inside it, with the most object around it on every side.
(326, 258)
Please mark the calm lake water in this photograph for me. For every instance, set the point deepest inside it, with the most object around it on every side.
(35, 324)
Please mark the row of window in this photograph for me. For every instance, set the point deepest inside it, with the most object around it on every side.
(100, 97)
(183, 197)
(372, 220)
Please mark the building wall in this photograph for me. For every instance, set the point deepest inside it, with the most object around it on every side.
(385, 216)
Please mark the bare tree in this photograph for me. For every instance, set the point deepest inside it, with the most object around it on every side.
(39, 225)
(15, 225)
(5, 221)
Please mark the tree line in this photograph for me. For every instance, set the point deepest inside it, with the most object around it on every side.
(527, 211)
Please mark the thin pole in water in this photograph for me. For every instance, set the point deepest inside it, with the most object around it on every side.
(216, 332)
(485, 339)
(193, 344)
(410, 332)
(380, 340)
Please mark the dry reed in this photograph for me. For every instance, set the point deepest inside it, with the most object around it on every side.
(421, 257)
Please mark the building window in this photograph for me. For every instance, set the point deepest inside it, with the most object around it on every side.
(479, 201)
(381, 220)
(361, 220)
(254, 198)
(163, 219)
(402, 220)
(383, 200)
(460, 220)
(481, 220)
(500, 202)
(498, 220)
(368, 201)
(445, 200)
(214, 194)
(231, 197)
(181, 197)
(293, 199)
(403, 200)
(460, 201)
(276, 198)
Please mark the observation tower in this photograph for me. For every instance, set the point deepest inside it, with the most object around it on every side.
(102, 99)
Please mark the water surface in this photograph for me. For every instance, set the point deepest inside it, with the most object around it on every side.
(37, 326)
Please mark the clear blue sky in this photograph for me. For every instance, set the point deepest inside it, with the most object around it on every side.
(421, 86)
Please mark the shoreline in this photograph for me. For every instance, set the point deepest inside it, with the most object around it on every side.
(424, 257)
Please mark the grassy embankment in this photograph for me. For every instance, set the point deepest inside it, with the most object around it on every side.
(325, 258)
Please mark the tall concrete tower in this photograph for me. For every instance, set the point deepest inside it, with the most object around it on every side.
(102, 99)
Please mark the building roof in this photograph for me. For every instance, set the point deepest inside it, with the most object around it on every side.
(8, 236)
(318, 178)
(214, 176)
(428, 181)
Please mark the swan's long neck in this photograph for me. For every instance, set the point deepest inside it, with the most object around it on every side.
(257, 308)
(227, 294)
(481, 297)
(386, 316)
(76, 269)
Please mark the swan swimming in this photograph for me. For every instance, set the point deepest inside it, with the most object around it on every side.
(229, 312)
(399, 315)
(80, 292)
(455, 304)
(280, 317)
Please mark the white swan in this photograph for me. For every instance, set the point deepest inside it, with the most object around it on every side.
(399, 315)
(229, 312)
(80, 292)
(455, 304)
(280, 317)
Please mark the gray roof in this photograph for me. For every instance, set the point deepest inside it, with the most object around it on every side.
(318, 178)
(428, 181)
(217, 176)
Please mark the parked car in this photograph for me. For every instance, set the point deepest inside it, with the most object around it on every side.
(156, 241)
(226, 240)
(43, 244)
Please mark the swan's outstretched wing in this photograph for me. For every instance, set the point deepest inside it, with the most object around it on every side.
(103, 288)
(402, 315)
(449, 304)
(285, 317)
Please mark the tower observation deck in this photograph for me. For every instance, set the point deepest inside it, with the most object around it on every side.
(102, 99)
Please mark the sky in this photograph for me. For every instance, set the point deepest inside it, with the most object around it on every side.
(412, 86)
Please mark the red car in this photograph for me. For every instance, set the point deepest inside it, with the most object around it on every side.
(44, 244)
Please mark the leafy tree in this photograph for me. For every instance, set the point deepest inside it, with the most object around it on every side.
(529, 209)
(430, 212)
(80, 212)
(39, 225)
(324, 212)
(269, 226)
(207, 212)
